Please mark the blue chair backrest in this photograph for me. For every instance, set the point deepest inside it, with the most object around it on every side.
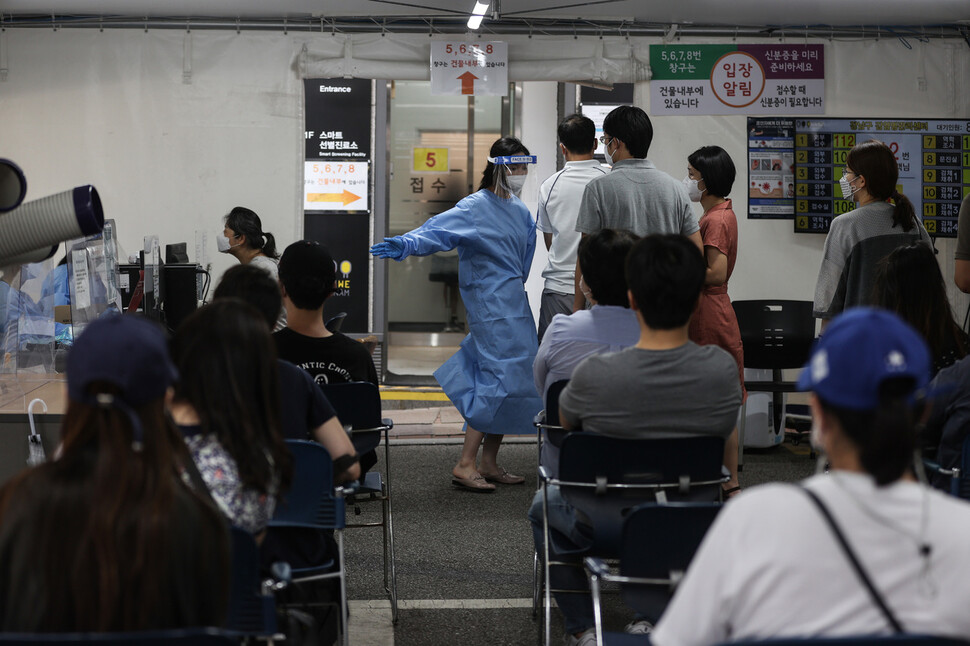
(659, 542)
(961, 486)
(310, 502)
(357, 403)
(248, 611)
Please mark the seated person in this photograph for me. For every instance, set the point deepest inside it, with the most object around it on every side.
(608, 326)
(109, 537)
(664, 386)
(308, 276)
(910, 541)
(227, 404)
(948, 423)
(304, 409)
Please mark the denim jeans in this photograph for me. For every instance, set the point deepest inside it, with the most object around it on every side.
(576, 609)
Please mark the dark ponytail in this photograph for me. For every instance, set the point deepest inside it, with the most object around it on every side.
(501, 148)
(875, 161)
(885, 437)
(245, 222)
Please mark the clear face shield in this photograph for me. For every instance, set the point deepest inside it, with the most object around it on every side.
(514, 175)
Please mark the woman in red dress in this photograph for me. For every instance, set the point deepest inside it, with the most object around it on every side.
(710, 175)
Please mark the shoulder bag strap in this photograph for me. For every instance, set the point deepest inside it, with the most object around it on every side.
(876, 597)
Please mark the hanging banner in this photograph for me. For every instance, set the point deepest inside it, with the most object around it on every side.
(737, 79)
(476, 68)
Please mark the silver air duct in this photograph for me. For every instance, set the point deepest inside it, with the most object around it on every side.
(37, 255)
(36, 225)
(13, 185)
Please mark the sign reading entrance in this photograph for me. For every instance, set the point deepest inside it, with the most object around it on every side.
(474, 68)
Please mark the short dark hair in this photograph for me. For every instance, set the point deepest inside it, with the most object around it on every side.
(716, 169)
(602, 259)
(307, 272)
(578, 134)
(254, 286)
(665, 274)
(632, 126)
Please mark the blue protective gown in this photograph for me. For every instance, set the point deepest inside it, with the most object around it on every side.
(489, 379)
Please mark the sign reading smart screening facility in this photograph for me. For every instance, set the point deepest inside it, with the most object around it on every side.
(472, 68)
(737, 79)
(934, 168)
(337, 188)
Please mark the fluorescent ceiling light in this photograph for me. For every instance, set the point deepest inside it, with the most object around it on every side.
(475, 20)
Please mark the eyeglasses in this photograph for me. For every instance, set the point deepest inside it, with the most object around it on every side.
(605, 142)
(846, 171)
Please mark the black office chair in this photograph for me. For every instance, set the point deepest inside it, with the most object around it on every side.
(957, 477)
(358, 406)
(604, 478)
(776, 335)
(658, 544)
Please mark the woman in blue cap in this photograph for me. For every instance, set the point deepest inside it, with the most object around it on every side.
(877, 551)
(489, 379)
(108, 536)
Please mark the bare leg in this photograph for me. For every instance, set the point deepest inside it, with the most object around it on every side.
(490, 453)
(731, 459)
(469, 454)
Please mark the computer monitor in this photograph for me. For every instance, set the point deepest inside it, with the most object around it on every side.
(176, 253)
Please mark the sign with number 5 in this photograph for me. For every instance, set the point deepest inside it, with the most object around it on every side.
(430, 160)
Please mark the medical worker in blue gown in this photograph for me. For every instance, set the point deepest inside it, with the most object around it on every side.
(489, 379)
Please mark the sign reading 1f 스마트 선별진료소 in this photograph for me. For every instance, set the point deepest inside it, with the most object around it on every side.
(473, 68)
(737, 79)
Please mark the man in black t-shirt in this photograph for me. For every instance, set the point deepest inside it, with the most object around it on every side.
(307, 278)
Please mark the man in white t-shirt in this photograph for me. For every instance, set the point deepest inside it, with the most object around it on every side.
(771, 566)
(559, 200)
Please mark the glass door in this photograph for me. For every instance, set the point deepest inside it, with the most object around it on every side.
(438, 147)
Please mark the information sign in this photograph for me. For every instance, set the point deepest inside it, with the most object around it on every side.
(430, 160)
(474, 68)
(335, 186)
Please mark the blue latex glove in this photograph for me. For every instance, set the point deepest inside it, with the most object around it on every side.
(390, 248)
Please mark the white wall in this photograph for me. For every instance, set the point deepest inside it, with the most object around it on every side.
(110, 108)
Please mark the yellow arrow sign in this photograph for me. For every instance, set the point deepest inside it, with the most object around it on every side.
(346, 197)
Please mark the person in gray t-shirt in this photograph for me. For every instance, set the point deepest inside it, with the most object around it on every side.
(663, 386)
(635, 195)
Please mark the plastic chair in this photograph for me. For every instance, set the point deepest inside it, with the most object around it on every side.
(658, 544)
(862, 640)
(314, 503)
(776, 335)
(182, 637)
(603, 478)
(252, 612)
(959, 475)
(358, 406)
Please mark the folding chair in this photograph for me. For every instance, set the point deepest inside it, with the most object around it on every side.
(776, 334)
(658, 543)
(252, 612)
(603, 478)
(958, 476)
(358, 406)
(314, 503)
(861, 640)
(181, 637)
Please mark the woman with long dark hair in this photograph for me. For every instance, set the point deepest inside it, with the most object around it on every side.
(910, 283)
(489, 379)
(227, 406)
(108, 536)
(883, 220)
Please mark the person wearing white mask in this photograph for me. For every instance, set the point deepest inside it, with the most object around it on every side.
(710, 176)
(635, 195)
(883, 220)
(243, 238)
(489, 379)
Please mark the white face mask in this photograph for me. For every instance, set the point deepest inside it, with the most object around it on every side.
(847, 189)
(516, 182)
(815, 436)
(606, 153)
(693, 192)
(222, 243)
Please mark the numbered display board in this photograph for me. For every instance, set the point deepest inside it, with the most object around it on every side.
(934, 168)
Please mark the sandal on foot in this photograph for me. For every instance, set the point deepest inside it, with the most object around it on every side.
(731, 492)
(503, 477)
(476, 484)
